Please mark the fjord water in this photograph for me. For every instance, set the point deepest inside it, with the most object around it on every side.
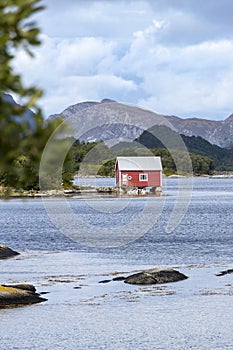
(82, 314)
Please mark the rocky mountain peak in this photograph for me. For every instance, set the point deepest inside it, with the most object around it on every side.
(229, 119)
(107, 100)
(219, 133)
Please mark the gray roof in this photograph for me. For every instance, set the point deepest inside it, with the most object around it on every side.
(139, 163)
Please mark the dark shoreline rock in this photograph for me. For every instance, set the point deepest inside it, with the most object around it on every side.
(120, 278)
(155, 276)
(105, 281)
(6, 252)
(22, 294)
(23, 286)
(225, 272)
(16, 294)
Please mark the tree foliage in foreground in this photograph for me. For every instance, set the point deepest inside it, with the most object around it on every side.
(23, 134)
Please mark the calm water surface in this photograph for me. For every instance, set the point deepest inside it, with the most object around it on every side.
(192, 314)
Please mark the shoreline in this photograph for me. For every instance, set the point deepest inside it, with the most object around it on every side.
(95, 191)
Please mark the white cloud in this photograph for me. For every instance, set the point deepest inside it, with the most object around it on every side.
(183, 80)
(81, 56)
(169, 56)
(82, 88)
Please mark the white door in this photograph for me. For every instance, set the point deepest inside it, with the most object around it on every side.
(124, 179)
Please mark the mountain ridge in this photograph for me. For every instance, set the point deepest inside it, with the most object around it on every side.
(218, 133)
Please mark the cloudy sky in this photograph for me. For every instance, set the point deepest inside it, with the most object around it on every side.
(170, 56)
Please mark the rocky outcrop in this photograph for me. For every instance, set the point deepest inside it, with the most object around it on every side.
(151, 276)
(155, 276)
(6, 252)
(22, 286)
(19, 295)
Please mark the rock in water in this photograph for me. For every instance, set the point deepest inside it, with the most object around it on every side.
(6, 252)
(105, 281)
(12, 296)
(155, 276)
(222, 273)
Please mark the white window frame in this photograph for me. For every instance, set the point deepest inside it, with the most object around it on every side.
(143, 177)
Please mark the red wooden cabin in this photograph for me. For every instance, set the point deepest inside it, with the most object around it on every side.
(138, 172)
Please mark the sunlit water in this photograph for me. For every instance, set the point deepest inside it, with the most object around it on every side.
(193, 314)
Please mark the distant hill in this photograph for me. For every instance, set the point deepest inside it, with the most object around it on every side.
(223, 158)
(106, 113)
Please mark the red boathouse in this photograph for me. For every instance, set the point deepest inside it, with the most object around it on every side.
(138, 172)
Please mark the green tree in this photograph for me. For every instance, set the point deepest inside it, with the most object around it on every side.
(16, 33)
(23, 134)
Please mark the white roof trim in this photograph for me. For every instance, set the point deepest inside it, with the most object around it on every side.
(139, 163)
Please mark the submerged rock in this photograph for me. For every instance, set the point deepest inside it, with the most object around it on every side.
(155, 276)
(105, 281)
(6, 252)
(225, 272)
(120, 278)
(15, 295)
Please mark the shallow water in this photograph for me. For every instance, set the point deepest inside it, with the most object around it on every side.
(193, 314)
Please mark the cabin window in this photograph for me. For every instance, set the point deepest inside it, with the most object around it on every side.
(143, 177)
